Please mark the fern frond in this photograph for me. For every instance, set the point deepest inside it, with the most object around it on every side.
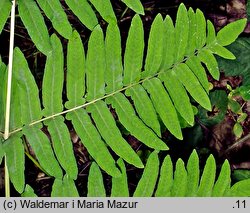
(178, 95)
(192, 85)
(54, 11)
(160, 98)
(1, 151)
(14, 152)
(75, 76)
(95, 182)
(5, 8)
(165, 178)
(64, 188)
(133, 124)
(146, 185)
(223, 182)
(135, 5)
(179, 186)
(105, 9)
(91, 139)
(141, 102)
(28, 192)
(133, 56)
(52, 103)
(233, 29)
(84, 12)
(3, 87)
(194, 64)
(193, 174)
(34, 22)
(113, 51)
(155, 47)
(28, 93)
(181, 33)
(95, 65)
(144, 94)
(107, 127)
(160, 180)
(168, 44)
(207, 178)
(240, 189)
(120, 184)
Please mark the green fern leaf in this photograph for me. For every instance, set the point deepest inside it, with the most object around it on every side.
(166, 178)
(14, 152)
(120, 184)
(75, 85)
(113, 75)
(52, 102)
(53, 79)
(192, 37)
(135, 5)
(133, 55)
(233, 29)
(209, 60)
(57, 16)
(105, 9)
(240, 189)
(63, 146)
(16, 110)
(194, 64)
(133, 124)
(33, 21)
(178, 95)
(3, 92)
(179, 186)
(174, 58)
(64, 188)
(160, 98)
(15, 118)
(110, 133)
(43, 150)
(211, 34)
(28, 192)
(95, 65)
(201, 30)
(207, 178)
(31, 111)
(223, 182)
(222, 52)
(5, 7)
(181, 32)
(95, 182)
(193, 174)
(84, 12)
(144, 107)
(146, 185)
(27, 89)
(92, 141)
(192, 85)
(1, 151)
(168, 44)
(155, 47)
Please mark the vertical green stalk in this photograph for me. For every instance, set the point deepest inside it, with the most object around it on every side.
(8, 97)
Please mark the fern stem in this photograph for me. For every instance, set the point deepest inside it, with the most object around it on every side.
(6, 178)
(8, 97)
(11, 48)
